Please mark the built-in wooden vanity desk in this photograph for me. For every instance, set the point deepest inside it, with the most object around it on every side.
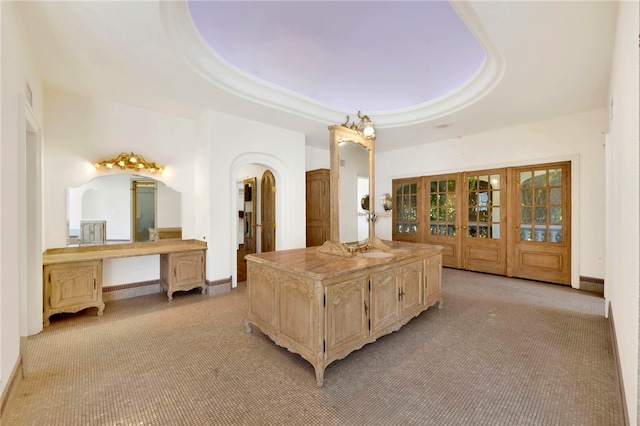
(72, 276)
(323, 306)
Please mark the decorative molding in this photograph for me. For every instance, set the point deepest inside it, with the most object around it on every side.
(222, 281)
(130, 285)
(188, 44)
(616, 361)
(592, 280)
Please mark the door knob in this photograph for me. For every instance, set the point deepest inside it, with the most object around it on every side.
(464, 227)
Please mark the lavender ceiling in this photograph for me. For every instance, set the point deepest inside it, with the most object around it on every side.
(369, 56)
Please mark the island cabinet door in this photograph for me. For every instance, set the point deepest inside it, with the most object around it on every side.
(385, 297)
(262, 286)
(346, 317)
(433, 273)
(298, 313)
(411, 284)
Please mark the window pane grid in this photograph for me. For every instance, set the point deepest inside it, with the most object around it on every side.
(541, 205)
(406, 202)
(484, 206)
(442, 207)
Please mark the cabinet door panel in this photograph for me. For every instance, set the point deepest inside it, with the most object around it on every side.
(384, 299)
(411, 287)
(73, 285)
(187, 268)
(433, 274)
(346, 320)
(297, 319)
(262, 285)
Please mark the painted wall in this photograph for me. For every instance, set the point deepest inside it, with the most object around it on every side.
(622, 276)
(317, 158)
(579, 138)
(18, 69)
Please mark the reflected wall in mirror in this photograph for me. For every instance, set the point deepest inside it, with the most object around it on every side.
(112, 201)
(354, 185)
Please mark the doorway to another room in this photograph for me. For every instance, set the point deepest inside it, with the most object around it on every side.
(256, 205)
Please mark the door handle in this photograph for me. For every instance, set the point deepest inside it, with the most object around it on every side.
(464, 227)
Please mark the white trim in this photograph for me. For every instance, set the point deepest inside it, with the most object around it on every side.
(31, 232)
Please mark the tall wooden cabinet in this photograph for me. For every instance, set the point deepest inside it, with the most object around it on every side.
(317, 196)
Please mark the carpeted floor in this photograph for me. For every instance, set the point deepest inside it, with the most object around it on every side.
(501, 352)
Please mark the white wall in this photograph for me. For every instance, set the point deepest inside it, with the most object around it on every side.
(579, 138)
(235, 142)
(18, 68)
(622, 276)
(317, 158)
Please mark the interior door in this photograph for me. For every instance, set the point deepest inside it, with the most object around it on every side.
(249, 215)
(443, 220)
(268, 211)
(540, 247)
(484, 239)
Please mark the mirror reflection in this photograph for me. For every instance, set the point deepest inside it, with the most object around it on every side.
(122, 208)
(354, 185)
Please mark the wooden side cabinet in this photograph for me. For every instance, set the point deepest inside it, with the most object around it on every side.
(71, 287)
(182, 271)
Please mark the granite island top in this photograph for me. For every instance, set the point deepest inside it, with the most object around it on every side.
(319, 266)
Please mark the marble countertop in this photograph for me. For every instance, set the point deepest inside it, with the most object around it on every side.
(308, 261)
(112, 251)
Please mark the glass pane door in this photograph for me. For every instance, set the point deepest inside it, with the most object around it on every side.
(406, 209)
(541, 212)
(443, 217)
(484, 241)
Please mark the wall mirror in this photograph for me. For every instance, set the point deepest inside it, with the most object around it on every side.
(351, 178)
(122, 208)
(353, 187)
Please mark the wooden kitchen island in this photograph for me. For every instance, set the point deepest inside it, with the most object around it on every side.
(72, 276)
(323, 306)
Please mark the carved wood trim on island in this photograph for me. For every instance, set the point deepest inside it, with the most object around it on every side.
(324, 307)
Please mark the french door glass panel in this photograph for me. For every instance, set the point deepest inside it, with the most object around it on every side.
(540, 204)
(407, 208)
(442, 207)
(484, 206)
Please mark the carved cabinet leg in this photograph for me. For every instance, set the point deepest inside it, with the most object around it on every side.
(440, 303)
(247, 327)
(319, 376)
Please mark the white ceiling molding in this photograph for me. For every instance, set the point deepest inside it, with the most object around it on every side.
(188, 44)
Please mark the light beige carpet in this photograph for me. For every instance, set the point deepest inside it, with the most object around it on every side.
(501, 352)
